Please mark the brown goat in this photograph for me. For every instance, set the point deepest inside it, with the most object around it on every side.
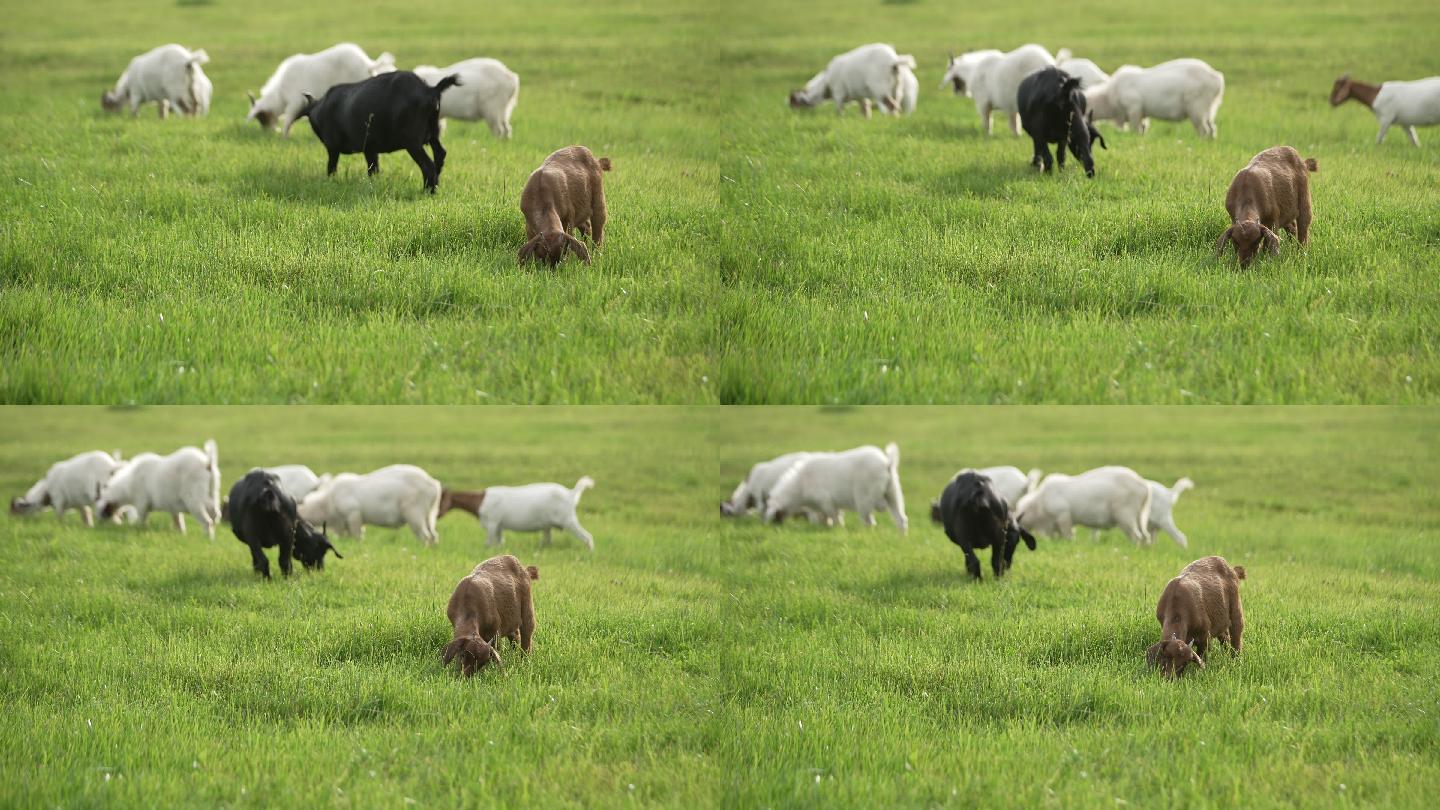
(492, 602)
(565, 193)
(1200, 604)
(460, 499)
(1271, 192)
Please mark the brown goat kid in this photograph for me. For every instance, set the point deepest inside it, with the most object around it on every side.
(1271, 192)
(491, 603)
(1201, 604)
(565, 193)
(468, 501)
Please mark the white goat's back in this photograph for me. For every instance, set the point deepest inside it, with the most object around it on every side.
(863, 479)
(488, 91)
(530, 507)
(187, 480)
(397, 495)
(315, 73)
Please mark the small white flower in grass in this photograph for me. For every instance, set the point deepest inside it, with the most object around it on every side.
(1407, 379)
(817, 778)
(866, 313)
(162, 317)
(704, 378)
(631, 786)
(1342, 785)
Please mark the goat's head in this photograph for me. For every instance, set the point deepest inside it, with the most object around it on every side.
(550, 248)
(935, 515)
(1247, 237)
(1172, 656)
(311, 546)
(957, 74)
(265, 118)
(20, 506)
(109, 101)
(1340, 92)
(473, 653)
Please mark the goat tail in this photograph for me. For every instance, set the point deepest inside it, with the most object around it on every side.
(1032, 480)
(604, 164)
(384, 62)
(1063, 54)
(115, 454)
(892, 452)
(453, 80)
(532, 571)
(1239, 571)
(583, 484)
(212, 464)
(903, 60)
(198, 57)
(1142, 521)
(1180, 486)
(1312, 165)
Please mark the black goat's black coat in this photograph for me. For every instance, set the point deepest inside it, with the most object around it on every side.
(263, 516)
(975, 516)
(1052, 110)
(384, 113)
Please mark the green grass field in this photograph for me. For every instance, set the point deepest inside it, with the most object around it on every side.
(696, 662)
(205, 261)
(914, 261)
(755, 254)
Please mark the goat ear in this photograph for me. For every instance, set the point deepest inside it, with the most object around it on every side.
(578, 247)
(1223, 240)
(527, 250)
(1272, 242)
(250, 96)
(1152, 654)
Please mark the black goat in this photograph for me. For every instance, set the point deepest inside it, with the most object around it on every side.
(975, 516)
(263, 516)
(384, 113)
(1052, 110)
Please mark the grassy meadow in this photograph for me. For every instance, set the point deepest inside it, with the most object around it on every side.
(914, 261)
(696, 662)
(754, 255)
(876, 674)
(142, 668)
(206, 261)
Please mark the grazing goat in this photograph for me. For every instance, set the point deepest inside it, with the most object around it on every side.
(488, 91)
(385, 113)
(1271, 192)
(754, 491)
(494, 601)
(993, 79)
(187, 480)
(1409, 104)
(263, 515)
(170, 75)
(1162, 504)
(1052, 110)
(296, 479)
(870, 74)
(565, 193)
(533, 508)
(1201, 604)
(1101, 498)
(398, 495)
(1171, 91)
(70, 484)
(1089, 73)
(284, 94)
(976, 516)
(863, 480)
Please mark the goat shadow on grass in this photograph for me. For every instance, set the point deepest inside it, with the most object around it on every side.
(347, 189)
(483, 234)
(987, 179)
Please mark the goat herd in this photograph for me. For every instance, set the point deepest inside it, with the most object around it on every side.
(1058, 101)
(998, 508)
(280, 506)
(356, 104)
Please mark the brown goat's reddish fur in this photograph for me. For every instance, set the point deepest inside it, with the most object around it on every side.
(1347, 88)
(493, 602)
(567, 192)
(460, 499)
(1201, 604)
(1271, 192)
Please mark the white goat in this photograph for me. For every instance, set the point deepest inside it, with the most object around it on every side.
(993, 79)
(187, 480)
(398, 495)
(908, 92)
(1102, 498)
(488, 91)
(869, 74)
(1171, 91)
(296, 479)
(1162, 505)
(534, 508)
(1409, 104)
(70, 484)
(283, 96)
(1086, 71)
(863, 480)
(754, 491)
(1009, 483)
(169, 74)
